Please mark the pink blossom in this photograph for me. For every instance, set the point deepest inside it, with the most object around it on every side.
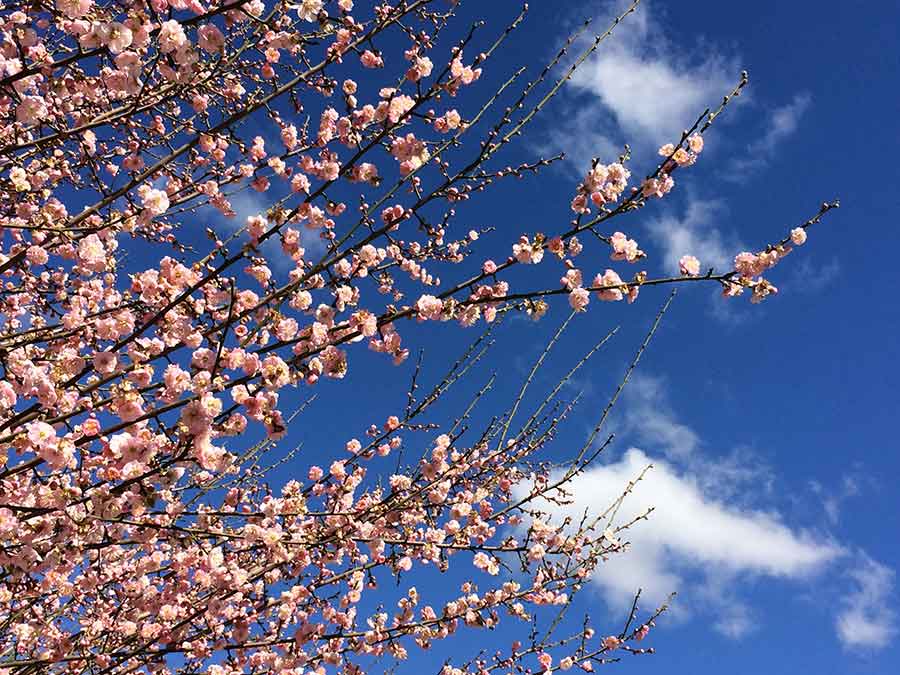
(695, 143)
(798, 236)
(31, 109)
(171, 36)
(609, 279)
(545, 660)
(689, 265)
(371, 60)
(74, 8)
(156, 202)
(611, 642)
(527, 252)
(210, 38)
(429, 307)
(579, 299)
(308, 10)
(105, 362)
(624, 248)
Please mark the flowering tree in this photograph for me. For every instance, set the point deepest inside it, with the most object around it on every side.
(139, 532)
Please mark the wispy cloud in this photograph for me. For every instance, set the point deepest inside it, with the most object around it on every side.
(697, 233)
(809, 277)
(867, 619)
(833, 498)
(782, 123)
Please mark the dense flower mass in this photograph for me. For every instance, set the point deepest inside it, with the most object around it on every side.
(150, 355)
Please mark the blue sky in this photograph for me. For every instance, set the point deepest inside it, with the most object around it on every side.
(771, 427)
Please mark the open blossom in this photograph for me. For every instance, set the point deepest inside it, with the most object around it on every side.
(74, 9)
(545, 660)
(689, 265)
(609, 278)
(421, 67)
(695, 143)
(92, 252)
(118, 37)
(448, 121)
(579, 299)
(536, 553)
(210, 38)
(156, 201)
(624, 248)
(611, 642)
(105, 362)
(798, 236)
(371, 60)
(657, 187)
(171, 36)
(429, 307)
(37, 255)
(410, 152)
(762, 289)
(527, 252)
(31, 109)
(308, 10)
(41, 434)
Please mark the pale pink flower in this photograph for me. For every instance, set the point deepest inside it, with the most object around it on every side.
(429, 307)
(92, 253)
(171, 36)
(545, 660)
(579, 299)
(118, 37)
(611, 642)
(37, 255)
(527, 252)
(371, 60)
(308, 10)
(624, 248)
(156, 202)
(689, 265)
(31, 109)
(798, 236)
(41, 434)
(74, 9)
(210, 38)
(695, 143)
(609, 279)
(105, 362)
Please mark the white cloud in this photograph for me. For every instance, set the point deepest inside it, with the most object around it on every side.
(868, 619)
(642, 88)
(690, 539)
(782, 123)
(713, 527)
(695, 233)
